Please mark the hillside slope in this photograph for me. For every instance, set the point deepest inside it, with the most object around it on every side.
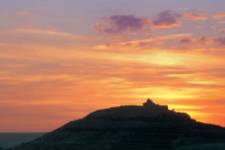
(146, 127)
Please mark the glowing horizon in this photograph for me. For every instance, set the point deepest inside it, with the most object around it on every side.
(62, 59)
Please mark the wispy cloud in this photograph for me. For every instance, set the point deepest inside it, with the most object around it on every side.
(45, 32)
(195, 15)
(219, 15)
(51, 65)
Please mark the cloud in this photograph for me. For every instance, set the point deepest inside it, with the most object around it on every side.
(195, 15)
(153, 42)
(170, 19)
(121, 76)
(186, 40)
(219, 15)
(200, 42)
(27, 35)
(167, 19)
(121, 24)
(220, 41)
(45, 32)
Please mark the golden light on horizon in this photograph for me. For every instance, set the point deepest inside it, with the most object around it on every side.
(56, 67)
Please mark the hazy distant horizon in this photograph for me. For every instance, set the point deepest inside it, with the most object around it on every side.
(12, 139)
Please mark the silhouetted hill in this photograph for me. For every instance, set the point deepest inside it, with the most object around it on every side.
(146, 127)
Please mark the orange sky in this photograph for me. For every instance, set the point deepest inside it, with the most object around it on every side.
(51, 74)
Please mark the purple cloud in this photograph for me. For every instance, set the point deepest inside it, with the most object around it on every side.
(167, 19)
(121, 23)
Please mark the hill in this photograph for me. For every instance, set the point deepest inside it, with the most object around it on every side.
(146, 127)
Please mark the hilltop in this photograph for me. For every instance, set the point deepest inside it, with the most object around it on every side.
(150, 126)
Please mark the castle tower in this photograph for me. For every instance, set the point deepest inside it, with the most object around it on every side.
(149, 103)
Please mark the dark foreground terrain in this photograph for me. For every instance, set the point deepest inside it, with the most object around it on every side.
(147, 127)
(13, 139)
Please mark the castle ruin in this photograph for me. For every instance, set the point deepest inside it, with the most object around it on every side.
(151, 106)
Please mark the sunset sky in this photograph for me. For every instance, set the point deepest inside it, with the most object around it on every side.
(62, 59)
